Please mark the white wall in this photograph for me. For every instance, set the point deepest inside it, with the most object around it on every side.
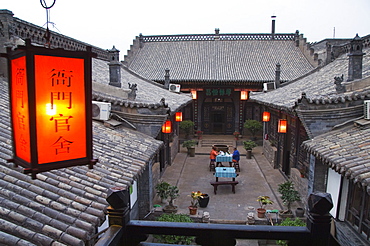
(333, 187)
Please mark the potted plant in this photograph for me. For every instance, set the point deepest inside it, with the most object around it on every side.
(203, 200)
(199, 134)
(162, 190)
(253, 126)
(288, 195)
(173, 193)
(194, 202)
(190, 145)
(248, 146)
(187, 126)
(263, 201)
(236, 135)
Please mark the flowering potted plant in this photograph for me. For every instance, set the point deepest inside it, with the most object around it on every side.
(263, 201)
(236, 135)
(199, 134)
(196, 196)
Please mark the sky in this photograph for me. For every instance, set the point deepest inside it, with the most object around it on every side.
(118, 22)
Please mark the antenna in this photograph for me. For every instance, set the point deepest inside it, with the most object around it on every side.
(334, 32)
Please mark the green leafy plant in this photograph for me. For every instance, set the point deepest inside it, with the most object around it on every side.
(162, 189)
(189, 143)
(253, 126)
(264, 200)
(173, 193)
(174, 239)
(289, 222)
(288, 194)
(249, 144)
(187, 126)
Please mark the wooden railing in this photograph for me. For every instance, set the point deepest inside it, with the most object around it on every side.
(134, 232)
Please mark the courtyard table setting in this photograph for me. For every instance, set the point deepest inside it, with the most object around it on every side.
(224, 157)
(225, 172)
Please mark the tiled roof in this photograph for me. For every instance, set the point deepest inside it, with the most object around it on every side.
(226, 60)
(149, 93)
(346, 150)
(65, 206)
(319, 87)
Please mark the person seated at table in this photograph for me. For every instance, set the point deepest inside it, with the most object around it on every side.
(213, 154)
(236, 155)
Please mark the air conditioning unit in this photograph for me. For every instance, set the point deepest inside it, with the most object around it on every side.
(367, 109)
(100, 110)
(174, 87)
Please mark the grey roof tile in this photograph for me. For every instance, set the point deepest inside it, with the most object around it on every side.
(149, 93)
(349, 159)
(319, 86)
(220, 60)
(65, 206)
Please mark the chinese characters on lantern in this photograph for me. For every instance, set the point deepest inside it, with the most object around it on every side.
(60, 109)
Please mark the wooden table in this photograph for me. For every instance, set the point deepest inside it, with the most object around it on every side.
(225, 172)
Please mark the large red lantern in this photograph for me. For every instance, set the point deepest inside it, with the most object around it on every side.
(282, 126)
(178, 116)
(167, 127)
(50, 101)
(266, 116)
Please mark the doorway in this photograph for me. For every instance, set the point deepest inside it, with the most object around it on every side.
(218, 116)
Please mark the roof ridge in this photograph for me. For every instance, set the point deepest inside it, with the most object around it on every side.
(212, 37)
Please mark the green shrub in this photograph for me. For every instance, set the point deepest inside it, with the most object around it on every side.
(187, 126)
(174, 239)
(253, 126)
(289, 222)
(189, 143)
(249, 144)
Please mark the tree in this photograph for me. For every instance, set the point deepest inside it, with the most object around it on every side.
(187, 126)
(253, 126)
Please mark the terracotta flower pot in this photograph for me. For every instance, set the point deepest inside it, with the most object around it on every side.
(193, 210)
(261, 212)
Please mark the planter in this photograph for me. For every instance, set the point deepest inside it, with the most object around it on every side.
(249, 154)
(203, 202)
(191, 151)
(299, 212)
(284, 214)
(261, 212)
(193, 210)
(170, 209)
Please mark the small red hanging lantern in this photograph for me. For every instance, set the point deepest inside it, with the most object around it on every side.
(266, 116)
(282, 126)
(244, 95)
(178, 116)
(167, 127)
(194, 94)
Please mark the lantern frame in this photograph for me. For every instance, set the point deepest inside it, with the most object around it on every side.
(282, 126)
(34, 62)
(167, 127)
(266, 116)
(178, 116)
